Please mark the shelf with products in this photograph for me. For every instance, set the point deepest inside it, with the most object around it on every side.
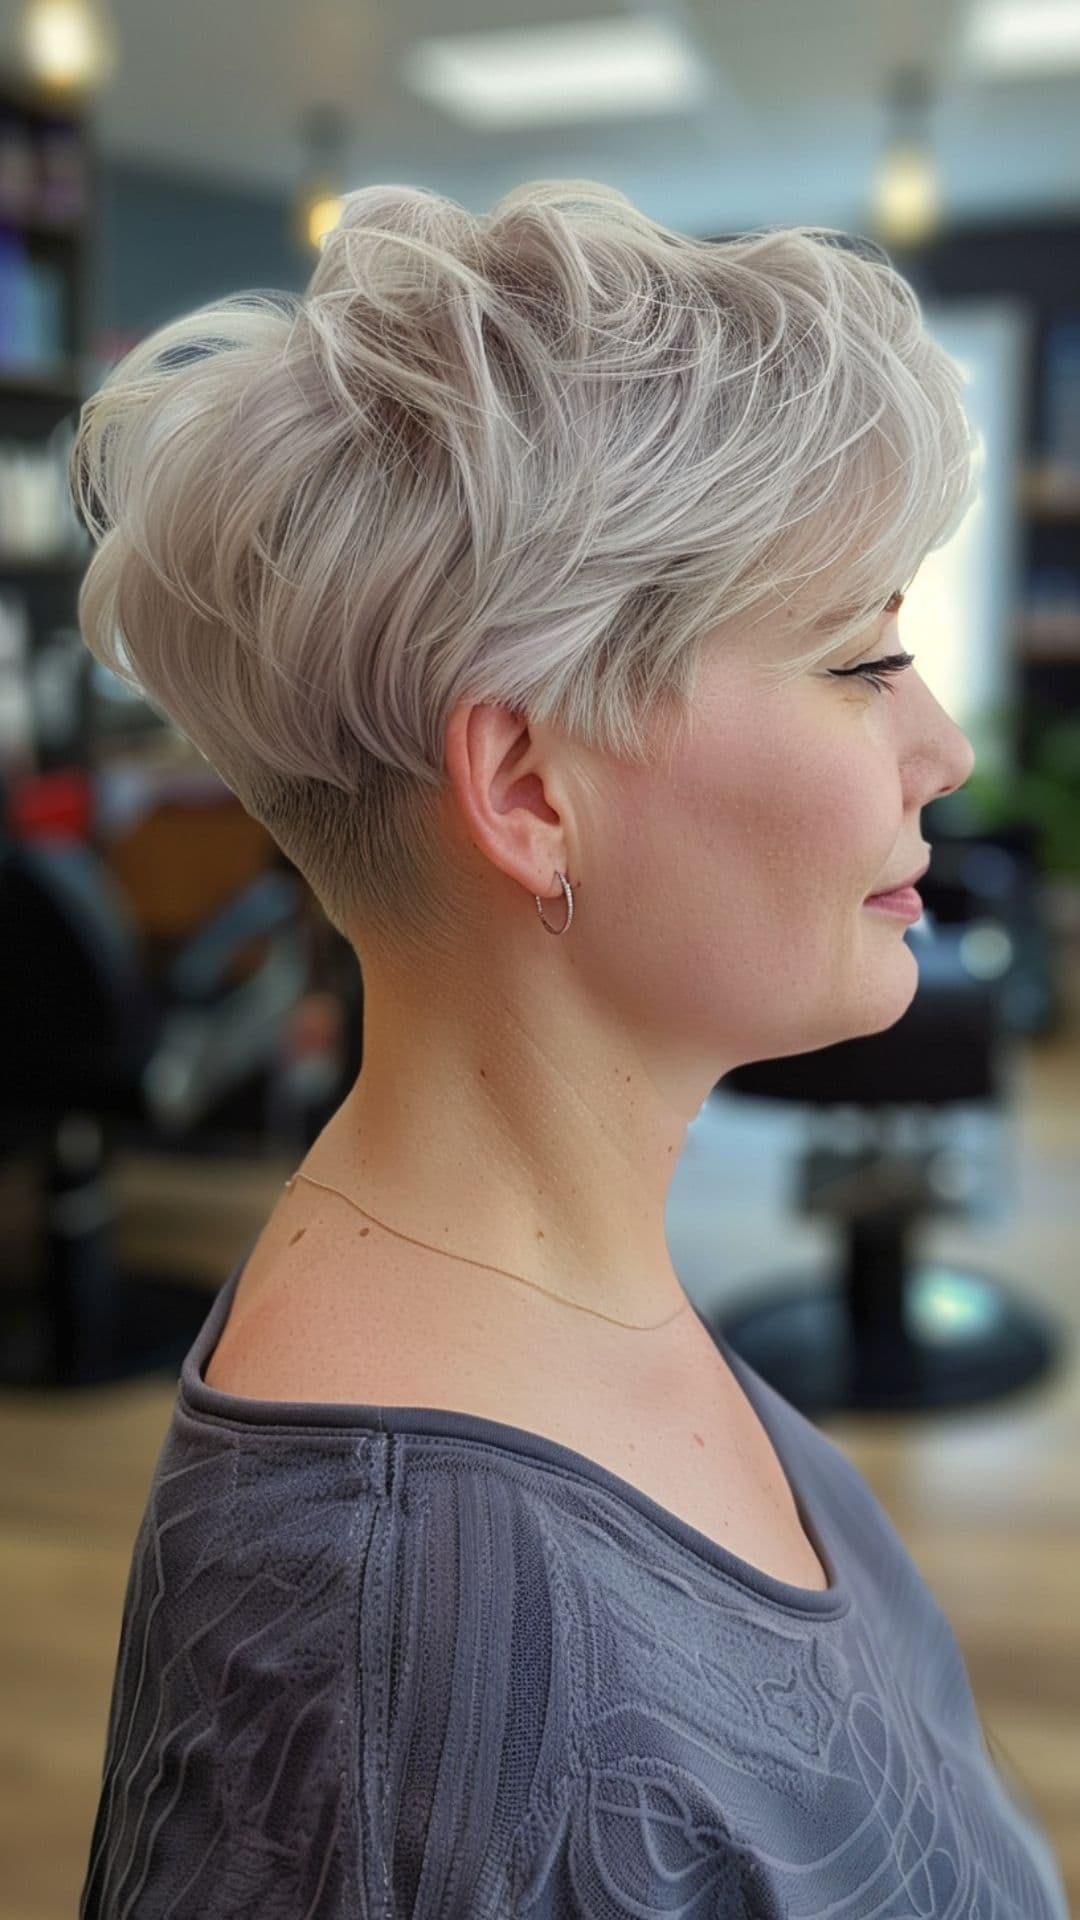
(1048, 502)
(1041, 645)
(49, 250)
(15, 565)
(42, 297)
(49, 202)
(1049, 492)
(1048, 626)
(65, 384)
(41, 533)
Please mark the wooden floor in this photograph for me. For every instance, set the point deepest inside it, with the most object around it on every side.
(988, 1503)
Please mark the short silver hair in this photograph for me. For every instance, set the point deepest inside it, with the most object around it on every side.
(537, 458)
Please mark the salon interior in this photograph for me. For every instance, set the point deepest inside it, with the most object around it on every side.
(887, 1228)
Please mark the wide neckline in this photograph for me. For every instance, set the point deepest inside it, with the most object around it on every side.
(201, 1400)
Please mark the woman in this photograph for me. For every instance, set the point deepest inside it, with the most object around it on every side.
(540, 563)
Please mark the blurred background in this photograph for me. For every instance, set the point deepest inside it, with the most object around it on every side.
(887, 1229)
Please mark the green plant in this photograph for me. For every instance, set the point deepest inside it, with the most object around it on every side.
(1045, 793)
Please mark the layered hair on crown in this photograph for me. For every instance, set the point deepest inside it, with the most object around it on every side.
(540, 457)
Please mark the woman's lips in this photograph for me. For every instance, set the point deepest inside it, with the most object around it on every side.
(902, 900)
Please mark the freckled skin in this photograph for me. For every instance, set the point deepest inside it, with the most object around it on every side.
(522, 1105)
(524, 1101)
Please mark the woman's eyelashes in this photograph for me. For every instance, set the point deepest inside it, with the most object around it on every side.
(871, 669)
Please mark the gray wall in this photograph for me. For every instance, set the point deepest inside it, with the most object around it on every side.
(168, 242)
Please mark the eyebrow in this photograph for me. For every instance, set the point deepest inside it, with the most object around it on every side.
(831, 622)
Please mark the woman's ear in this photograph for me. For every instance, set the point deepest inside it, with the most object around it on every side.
(504, 793)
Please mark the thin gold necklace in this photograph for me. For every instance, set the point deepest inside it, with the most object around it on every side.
(637, 1325)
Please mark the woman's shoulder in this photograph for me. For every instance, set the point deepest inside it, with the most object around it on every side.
(328, 1310)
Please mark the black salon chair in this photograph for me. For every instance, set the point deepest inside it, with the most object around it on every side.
(99, 1049)
(888, 1331)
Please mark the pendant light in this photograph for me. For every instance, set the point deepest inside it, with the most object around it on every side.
(69, 47)
(905, 207)
(324, 134)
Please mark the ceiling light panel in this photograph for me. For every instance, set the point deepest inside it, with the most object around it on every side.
(1023, 36)
(540, 76)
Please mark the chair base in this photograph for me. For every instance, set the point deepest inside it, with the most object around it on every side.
(963, 1341)
(138, 1323)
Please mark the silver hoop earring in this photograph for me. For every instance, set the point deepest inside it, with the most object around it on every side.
(569, 906)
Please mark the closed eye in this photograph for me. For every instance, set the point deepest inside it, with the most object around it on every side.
(871, 669)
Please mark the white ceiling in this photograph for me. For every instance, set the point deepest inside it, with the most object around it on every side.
(791, 130)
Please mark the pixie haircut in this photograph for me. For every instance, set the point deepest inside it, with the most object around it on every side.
(538, 458)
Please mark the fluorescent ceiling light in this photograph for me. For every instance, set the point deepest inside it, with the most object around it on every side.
(585, 70)
(1024, 36)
